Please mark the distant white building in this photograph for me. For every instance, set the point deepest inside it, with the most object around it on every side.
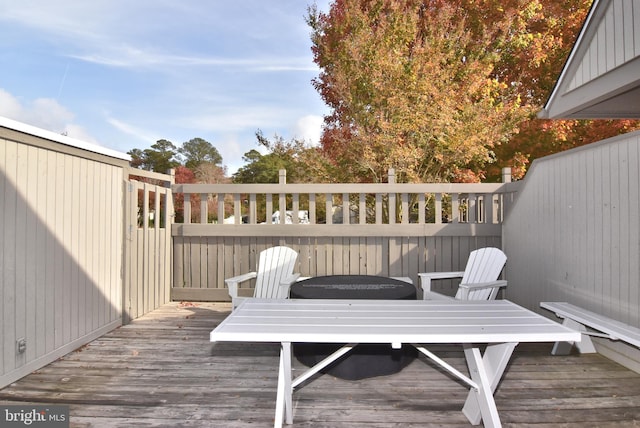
(303, 217)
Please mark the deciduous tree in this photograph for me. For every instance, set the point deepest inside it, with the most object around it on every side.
(535, 63)
(411, 85)
(445, 89)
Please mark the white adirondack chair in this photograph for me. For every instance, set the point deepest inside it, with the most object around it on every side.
(479, 279)
(274, 275)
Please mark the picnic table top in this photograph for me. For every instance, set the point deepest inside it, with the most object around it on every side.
(387, 321)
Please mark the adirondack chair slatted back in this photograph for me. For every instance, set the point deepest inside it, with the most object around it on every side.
(484, 265)
(275, 264)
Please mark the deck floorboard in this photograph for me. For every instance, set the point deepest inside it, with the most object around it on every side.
(162, 371)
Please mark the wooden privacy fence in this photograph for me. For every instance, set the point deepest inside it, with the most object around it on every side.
(74, 264)
(377, 229)
(148, 216)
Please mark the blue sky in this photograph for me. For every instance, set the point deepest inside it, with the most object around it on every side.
(126, 73)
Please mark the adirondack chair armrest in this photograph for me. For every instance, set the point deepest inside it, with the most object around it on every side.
(288, 282)
(466, 288)
(290, 279)
(481, 285)
(232, 283)
(432, 295)
(425, 278)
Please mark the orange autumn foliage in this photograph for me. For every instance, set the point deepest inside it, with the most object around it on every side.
(444, 90)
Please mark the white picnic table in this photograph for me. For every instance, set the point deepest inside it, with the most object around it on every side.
(498, 324)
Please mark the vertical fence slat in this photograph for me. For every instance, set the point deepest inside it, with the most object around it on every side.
(405, 208)
(346, 209)
(269, 208)
(471, 211)
(237, 209)
(312, 208)
(455, 208)
(392, 208)
(379, 208)
(282, 207)
(187, 208)
(204, 208)
(253, 209)
(295, 207)
(220, 197)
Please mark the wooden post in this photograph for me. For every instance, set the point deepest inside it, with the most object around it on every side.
(502, 200)
(506, 175)
(392, 197)
(392, 176)
(282, 197)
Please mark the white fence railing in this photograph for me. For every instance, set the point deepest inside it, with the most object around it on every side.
(383, 228)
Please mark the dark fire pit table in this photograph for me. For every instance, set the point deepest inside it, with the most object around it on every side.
(366, 360)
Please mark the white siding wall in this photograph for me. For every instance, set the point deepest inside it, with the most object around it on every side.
(574, 232)
(61, 239)
(615, 42)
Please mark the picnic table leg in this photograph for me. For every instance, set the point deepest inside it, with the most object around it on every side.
(585, 346)
(284, 399)
(486, 370)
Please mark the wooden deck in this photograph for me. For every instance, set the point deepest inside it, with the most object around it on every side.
(162, 371)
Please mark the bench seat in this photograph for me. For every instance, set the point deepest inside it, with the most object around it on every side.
(579, 319)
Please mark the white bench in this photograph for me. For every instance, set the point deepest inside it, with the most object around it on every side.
(579, 319)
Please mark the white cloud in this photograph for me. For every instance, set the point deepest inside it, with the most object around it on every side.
(79, 133)
(236, 119)
(45, 113)
(127, 128)
(111, 33)
(138, 71)
(127, 56)
(49, 114)
(309, 128)
(232, 151)
(9, 105)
